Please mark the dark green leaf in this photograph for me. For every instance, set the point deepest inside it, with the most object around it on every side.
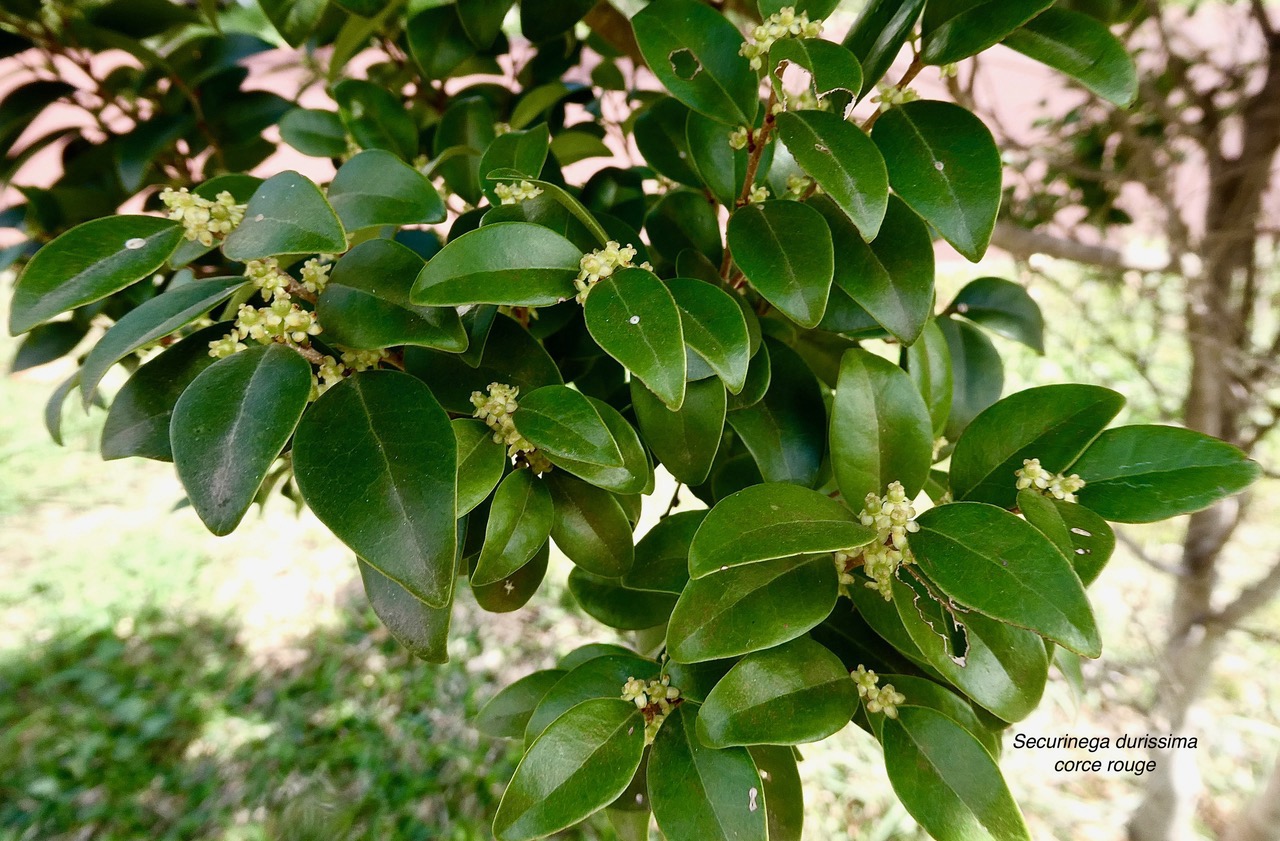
(662, 555)
(714, 328)
(47, 342)
(229, 426)
(514, 591)
(590, 526)
(831, 67)
(1141, 474)
(53, 409)
(287, 215)
(294, 19)
(759, 378)
(684, 220)
(771, 521)
(921, 692)
(1081, 535)
(659, 133)
(957, 29)
(377, 188)
(1002, 307)
(580, 764)
(944, 162)
(783, 791)
(1084, 49)
(878, 34)
(750, 608)
(718, 165)
(482, 20)
(617, 606)
(844, 162)
(977, 374)
(421, 629)
(313, 132)
(633, 317)
(569, 147)
(542, 20)
(512, 263)
(600, 676)
(635, 476)
(438, 41)
(786, 431)
(467, 126)
(23, 104)
(537, 101)
(505, 715)
(784, 249)
(561, 422)
(684, 441)
(928, 363)
(376, 460)
(87, 263)
(376, 118)
(481, 461)
(519, 524)
(798, 692)
(524, 152)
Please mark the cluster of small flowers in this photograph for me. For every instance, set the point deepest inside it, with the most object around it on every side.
(656, 698)
(281, 320)
(495, 409)
(891, 95)
(203, 220)
(331, 371)
(805, 100)
(601, 263)
(758, 194)
(516, 193)
(784, 23)
(798, 185)
(892, 516)
(878, 699)
(1056, 485)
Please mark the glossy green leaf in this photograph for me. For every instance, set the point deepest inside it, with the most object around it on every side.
(569, 147)
(536, 102)
(750, 608)
(482, 20)
(590, 526)
(580, 764)
(659, 133)
(600, 676)
(720, 167)
(662, 555)
(928, 363)
(944, 163)
(1081, 535)
(947, 780)
(505, 715)
(376, 460)
(783, 791)
(698, 792)
(591, 651)
(294, 19)
(633, 317)
(467, 128)
(524, 152)
(229, 426)
(137, 423)
(421, 629)
(376, 118)
(956, 29)
(511, 263)
(1002, 307)
(1003, 567)
(759, 378)
(1053, 423)
(878, 34)
(714, 328)
(542, 20)
(795, 693)
(633, 476)
(1141, 474)
(560, 421)
(47, 342)
(366, 304)
(377, 188)
(313, 132)
(683, 220)
(693, 50)
(922, 692)
(438, 41)
(771, 521)
(1084, 49)
(287, 215)
(613, 604)
(786, 431)
(481, 461)
(831, 66)
(977, 374)
(514, 592)
(880, 428)
(87, 263)
(844, 162)
(519, 524)
(685, 441)
(784, 249)
(562, 197)
(151, 321)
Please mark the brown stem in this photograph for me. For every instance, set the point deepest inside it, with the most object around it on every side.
(917, 64)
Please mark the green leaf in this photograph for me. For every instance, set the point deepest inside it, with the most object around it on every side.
(659, 133)
(54, 407)
(287, 215)
(718, 165)
(294, 19)
(505, 715)
(796, 693)
(480, 462)
(714, 328)
(634, 319)
(892, 277)
(977, 374)
(1081, 535)
(844, 162)
(831, 66)
(684, 441)
(376, 459)
(771, 521)
(88, 263)
(750, 608)
(784, 249)
(561, 422)
(421, 629)
(878, 34)
(783, 791)
(590, 527)
(542, 20)
(880, 428)
(956, 29)
(928, 363)
(786, 431)
(580, 764)
(1084, 49)
(313, 132)
(600, 676)
(922, 692)
(617, 606)
(229, 426)
(562, 197)
(662, 555)
(482, 20)
(138, 422)
(50, 341)
(1145, 473)
(693, 50)
(438, 40)
(377, 188)
(511, 263)
(634, 476)
(1054, 423)
(1002, 307)
(514, 591)
(683, 220)
(519, 523)
(947, 780)
(366, 305)
(569, 147)
(153, 320)
(468, 126)
(524, 152)
(536, 102)
(23, 104)
(944, 162)
(759, 378)
(1003, 567)
(376, 117)
(702, 793)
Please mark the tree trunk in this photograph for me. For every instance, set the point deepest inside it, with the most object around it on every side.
(1261, 821)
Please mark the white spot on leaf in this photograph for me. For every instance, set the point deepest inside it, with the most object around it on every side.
(259, 218)
(135, 243)
(635, 319)
(939, 166)
(752, 794)
(1082, 532)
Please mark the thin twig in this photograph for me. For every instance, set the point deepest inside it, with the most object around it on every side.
(675, 500)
